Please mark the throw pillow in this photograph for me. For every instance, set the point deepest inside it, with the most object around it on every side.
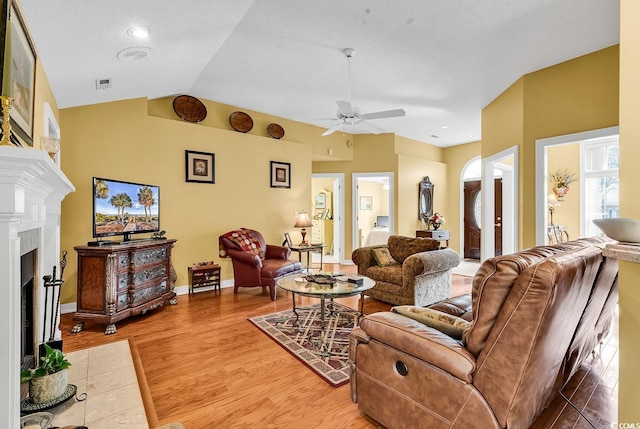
(383, 256)
(403, 247)
(448, 324)
(247, 240)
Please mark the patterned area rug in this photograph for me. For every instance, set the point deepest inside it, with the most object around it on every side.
(324, 349)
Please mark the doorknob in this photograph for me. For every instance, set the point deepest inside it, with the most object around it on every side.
(498, 225)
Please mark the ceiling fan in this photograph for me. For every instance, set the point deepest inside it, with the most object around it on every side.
(351, 115)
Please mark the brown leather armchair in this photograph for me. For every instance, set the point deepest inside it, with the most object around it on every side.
(256, 263)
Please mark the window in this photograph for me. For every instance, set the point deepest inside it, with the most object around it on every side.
(600, 182)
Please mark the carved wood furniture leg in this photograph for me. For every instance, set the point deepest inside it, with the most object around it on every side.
(111, 329)
(77, 328)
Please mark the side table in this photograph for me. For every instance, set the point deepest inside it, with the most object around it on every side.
(308, 249)
(203, 274)
(442, 234)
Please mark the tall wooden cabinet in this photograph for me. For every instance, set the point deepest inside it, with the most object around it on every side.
(121, 280)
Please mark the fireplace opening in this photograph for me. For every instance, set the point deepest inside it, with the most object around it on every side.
(27, 310)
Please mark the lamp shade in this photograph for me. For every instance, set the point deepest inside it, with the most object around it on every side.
(303, 220)
(552, 201)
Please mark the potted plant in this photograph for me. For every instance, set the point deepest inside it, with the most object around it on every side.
(48, 380)
(560, 181)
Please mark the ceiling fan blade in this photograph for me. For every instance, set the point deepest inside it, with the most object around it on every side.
(374, 129)
(344, 107)
(385, 114)
(332, 129)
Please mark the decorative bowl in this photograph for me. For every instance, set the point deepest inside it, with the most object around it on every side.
(40, 420)
(621, 229)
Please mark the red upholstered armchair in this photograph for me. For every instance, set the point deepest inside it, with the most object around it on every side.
(256, 263)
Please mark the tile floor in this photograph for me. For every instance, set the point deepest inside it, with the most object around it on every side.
(107, 375)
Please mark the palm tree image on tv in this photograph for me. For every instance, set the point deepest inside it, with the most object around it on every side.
(125, 207)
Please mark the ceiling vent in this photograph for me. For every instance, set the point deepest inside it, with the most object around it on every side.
(134, 53)
(103, 83)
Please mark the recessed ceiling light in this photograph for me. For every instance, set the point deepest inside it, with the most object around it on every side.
(444, 126)
(139, 32)
(134, 53)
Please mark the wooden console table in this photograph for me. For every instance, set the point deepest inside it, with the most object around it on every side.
(121, 280)
(438, 234)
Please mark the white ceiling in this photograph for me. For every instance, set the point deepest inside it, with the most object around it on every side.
(440, 60)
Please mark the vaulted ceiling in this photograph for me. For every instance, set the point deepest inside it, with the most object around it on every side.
(441, 61)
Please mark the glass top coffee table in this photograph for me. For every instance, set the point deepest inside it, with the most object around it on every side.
(326, 285)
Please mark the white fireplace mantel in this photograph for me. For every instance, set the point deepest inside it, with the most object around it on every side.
(32, 187)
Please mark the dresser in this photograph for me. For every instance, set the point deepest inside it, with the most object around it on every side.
(322, 232)
(439, 234)
(121, 280)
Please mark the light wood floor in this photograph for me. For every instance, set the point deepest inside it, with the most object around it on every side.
(208, 367)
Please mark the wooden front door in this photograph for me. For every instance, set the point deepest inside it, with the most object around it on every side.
(473, 219)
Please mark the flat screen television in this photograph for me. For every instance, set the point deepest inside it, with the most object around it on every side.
(382, 221)
(124, 208)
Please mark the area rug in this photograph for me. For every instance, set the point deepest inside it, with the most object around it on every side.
(324, 349)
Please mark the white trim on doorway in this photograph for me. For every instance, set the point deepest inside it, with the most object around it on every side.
(509, 202)
(541, 171)
(354, 181)
(338, 213)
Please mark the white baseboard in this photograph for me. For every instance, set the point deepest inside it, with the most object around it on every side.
(72, 307)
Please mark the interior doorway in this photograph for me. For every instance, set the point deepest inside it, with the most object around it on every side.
(327, 192)
(499, 209)
(373, 214)
(473, 218)
(542, 188)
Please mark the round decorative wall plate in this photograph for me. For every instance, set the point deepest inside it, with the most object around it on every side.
(275, 131)
(189, 108)
(240, 122)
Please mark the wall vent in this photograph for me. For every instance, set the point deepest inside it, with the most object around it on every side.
(103, 83)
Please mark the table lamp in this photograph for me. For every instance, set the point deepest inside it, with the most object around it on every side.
(552, 202)
(303, 221)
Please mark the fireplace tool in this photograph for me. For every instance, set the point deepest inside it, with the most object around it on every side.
(50, 281)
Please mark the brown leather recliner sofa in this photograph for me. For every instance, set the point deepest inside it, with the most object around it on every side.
(256, 263)
(535, 317)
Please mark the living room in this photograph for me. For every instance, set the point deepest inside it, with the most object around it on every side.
(142, 140)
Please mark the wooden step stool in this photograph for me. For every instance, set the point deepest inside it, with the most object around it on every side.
(203, 274)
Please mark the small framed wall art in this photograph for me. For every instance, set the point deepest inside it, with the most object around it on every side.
(280, 174)
(200, 167)
(366, 203)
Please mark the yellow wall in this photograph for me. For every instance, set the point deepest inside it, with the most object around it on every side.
(218, 117)
(577, 95)
(120, 141)
(43, 94)
(567, 157)
(371, 153)
(629, 207)
(456, 158)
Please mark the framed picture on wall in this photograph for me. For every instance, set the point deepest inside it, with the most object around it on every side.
(366, 203)
(18, 80)
(200, 167)
(280, 174)
(321, 200)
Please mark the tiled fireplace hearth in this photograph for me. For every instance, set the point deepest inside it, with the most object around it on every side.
(32, 187)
